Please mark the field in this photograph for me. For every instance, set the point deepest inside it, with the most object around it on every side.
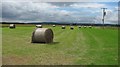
(84, 46)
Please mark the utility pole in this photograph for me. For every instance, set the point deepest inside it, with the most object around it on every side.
(104, 14)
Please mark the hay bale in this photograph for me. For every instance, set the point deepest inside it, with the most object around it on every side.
(53, 25)
(90, 26)
(63, 27)
(39, 26)
(71, 27)
(12, 26)
(42, 35)
(79, 26)
(85, 26)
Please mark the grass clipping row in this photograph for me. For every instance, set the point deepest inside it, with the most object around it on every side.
(42, 35)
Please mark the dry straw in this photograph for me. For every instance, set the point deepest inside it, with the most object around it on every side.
(90, 26)
(71, 27)
(42, 35)
(79, 26)
(39, 26)
(12, 26)
(85, 26)
(53, 25)
(63, 27)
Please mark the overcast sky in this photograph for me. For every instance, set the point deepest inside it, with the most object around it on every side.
(62, 0)
(79, 12)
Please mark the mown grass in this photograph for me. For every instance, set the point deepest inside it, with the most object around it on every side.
(82, 46)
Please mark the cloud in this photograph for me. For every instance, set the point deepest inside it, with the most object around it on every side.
(34, 12)
(62, 0)
(112, 16)
(0, 12)
(87, 5)
(71, 12)
(26, 11)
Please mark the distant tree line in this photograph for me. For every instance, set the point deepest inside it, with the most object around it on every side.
(64, 23)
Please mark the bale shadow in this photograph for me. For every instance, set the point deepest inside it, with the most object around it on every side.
(53, 43)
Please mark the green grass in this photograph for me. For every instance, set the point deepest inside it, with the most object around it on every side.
(83, 46)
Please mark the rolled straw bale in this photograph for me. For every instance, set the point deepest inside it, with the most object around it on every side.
(42, 35)
(79, 26)
(85, 26)
(90, 26)
(53, 25)
(71, 27)
(39, 26)
(63, 27)
(12, 26)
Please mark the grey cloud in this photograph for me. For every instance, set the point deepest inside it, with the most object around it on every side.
(11, 10)
(63, 0)
(27, 11)
(62, 4)
(31, 11)
(0, 12)
(18, 11)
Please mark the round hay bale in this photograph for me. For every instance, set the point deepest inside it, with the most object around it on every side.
(12, 26)
(71, 27)
(79, 26)
(39, 26)
(90, 26)
(42, 35)
(53, 25)
(63, 27)
(85, 26)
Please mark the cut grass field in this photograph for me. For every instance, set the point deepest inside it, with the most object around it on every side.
(82, 46)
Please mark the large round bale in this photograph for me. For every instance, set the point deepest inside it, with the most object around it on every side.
(39, 26)
(53, 25)
(71, 27)
(12, 26)
(42, 35)
(63, 27)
